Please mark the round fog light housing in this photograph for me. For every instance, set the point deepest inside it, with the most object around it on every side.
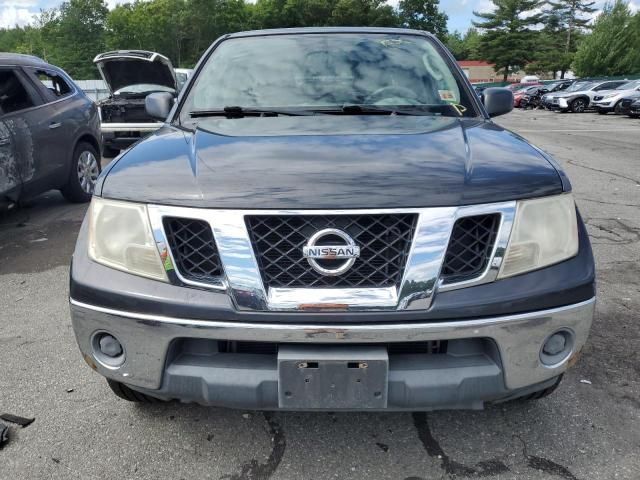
(557, 347)
(107, 350)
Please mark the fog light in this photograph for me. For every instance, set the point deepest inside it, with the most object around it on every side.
(553, 346)
(557, 347)
(110, 346)
(108, 351)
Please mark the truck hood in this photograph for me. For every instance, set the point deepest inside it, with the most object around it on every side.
(124, 68)
(331, 162)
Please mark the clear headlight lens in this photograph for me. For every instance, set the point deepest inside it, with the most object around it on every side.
(120, 237)
(545, 231)
(610, 95)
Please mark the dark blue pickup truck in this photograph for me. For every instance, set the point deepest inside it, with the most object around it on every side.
(329, 219)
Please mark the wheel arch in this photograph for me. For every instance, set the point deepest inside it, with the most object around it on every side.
(90, 139)
(581, 97)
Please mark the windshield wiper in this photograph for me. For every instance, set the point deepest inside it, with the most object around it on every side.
(414, 110)
(350, 109)
(240, 112)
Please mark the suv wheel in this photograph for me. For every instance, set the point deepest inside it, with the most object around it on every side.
(578, 105)
(83, 173)
(126, 393)
(618, 108)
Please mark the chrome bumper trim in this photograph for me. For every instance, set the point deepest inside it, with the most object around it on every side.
(130, 127)
(519, 337)
(421, 277)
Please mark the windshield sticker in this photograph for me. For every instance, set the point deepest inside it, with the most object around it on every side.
(393, 42)
(446, 95)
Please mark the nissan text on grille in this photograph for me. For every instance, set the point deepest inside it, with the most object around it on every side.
(329, 219)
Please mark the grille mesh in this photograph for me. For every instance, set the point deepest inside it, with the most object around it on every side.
(384, 241)
(470, 247)
(194, 249)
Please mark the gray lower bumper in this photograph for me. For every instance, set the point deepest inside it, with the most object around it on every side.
(464, 378)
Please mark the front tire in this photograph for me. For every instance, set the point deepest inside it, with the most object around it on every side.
(618, 108)
(578, 105)
(545, 392)
(126, 393)
(83, 174)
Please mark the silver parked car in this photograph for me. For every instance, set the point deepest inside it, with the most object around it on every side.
(131, 75)
(579, 96)
(611, 100)
(49, 132)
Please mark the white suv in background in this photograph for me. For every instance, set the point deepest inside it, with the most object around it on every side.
(611, 100)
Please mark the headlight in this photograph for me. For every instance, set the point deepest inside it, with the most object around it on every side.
(545, 231)
(610, 95)
(120, 237)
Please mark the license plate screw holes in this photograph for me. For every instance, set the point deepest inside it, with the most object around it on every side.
(308, 365)
(357, 365)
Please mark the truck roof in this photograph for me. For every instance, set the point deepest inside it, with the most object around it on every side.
(302, 30)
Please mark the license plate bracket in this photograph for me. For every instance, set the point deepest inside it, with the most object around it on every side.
(332, 377)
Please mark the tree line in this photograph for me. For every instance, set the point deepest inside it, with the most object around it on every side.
(539, 36)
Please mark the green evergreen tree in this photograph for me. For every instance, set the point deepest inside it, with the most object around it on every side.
(573, 18)
(424, 15)
(613, 48)
(508, 40)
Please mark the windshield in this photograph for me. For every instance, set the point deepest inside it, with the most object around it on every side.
(319, 71)
(629, 85)
(143, 88)
(579, 86)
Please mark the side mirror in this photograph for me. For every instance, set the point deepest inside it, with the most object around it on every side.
(497, 101)
(158, 105)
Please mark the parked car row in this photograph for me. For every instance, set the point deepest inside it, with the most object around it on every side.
(52, 136)
(604, 96)
(577, 96)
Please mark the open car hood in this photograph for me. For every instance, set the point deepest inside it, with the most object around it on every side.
(123, 68)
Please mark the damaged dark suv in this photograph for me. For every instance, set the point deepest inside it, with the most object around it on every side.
(329, 219)
(49, 132)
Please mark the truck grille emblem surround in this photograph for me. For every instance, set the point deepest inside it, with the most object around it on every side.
(326, 258)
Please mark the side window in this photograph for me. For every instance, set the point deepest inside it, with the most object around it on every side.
(609, 86)
(13, 94)
(56, 86)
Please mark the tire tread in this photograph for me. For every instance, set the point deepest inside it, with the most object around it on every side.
(126, 393)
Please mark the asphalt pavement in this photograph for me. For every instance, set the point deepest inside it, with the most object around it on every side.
(588, 429)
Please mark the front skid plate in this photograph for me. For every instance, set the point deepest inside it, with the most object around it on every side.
(332, 377)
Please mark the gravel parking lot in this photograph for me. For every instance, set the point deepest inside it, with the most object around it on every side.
(590, 428)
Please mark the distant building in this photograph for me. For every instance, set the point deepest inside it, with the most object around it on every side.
(479, 71)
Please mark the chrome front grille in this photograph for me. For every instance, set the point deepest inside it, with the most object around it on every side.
(194, 249)
(406, 256)
(384, 241)
(470, 247)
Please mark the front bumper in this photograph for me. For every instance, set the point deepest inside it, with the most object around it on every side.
(122, 135)
(604, 105)
(488, 359)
